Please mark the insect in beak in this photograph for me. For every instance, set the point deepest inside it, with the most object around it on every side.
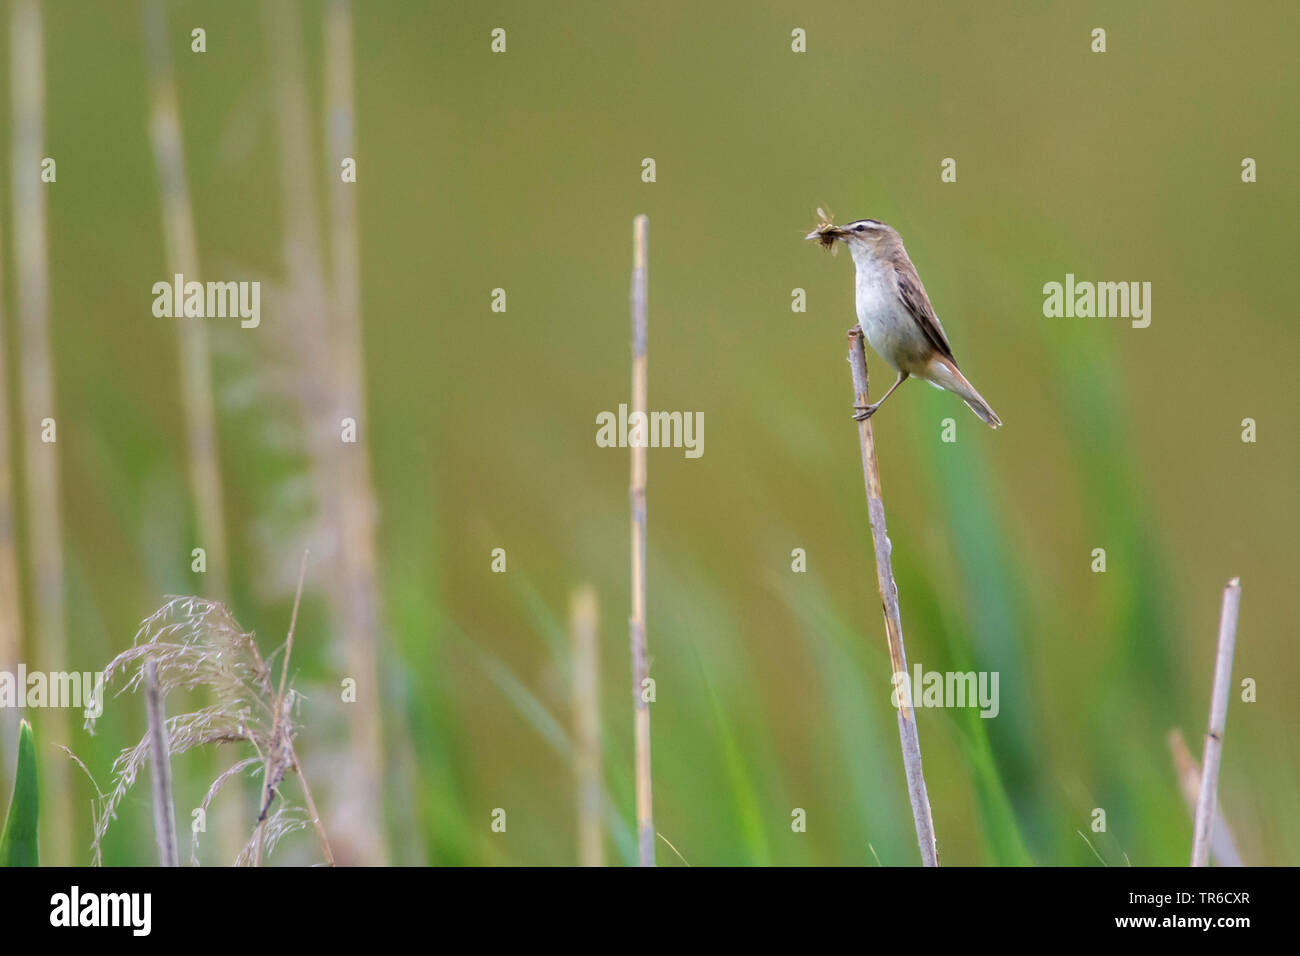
(826, 232)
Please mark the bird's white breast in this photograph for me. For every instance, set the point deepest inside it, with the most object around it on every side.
(892, 332)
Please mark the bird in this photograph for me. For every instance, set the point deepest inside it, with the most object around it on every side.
(895, 314)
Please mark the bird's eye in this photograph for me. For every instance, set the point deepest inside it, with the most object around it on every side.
(859, 228)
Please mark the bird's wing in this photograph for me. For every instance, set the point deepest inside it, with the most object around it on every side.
(912, 294)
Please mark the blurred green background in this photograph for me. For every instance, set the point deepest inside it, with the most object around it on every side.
(522, 171)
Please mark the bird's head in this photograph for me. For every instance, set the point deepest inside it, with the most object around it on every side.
(869, 231)
(864, 237)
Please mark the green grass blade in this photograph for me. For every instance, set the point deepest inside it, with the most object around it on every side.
(18, 842)
(746, 805)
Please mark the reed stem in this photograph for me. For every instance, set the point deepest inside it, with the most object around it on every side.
(356, 495)
(182, 256)
(1223, 848)
(10, 593)
(164, 811)
(586, 727)
(636, 625)
(47, 648)
(907, 734)
(1203, 826)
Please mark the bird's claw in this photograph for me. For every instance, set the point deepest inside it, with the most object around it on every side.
(863, 412)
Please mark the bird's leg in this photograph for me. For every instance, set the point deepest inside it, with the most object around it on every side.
(863, 412)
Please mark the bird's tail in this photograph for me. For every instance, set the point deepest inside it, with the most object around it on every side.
(945, 374)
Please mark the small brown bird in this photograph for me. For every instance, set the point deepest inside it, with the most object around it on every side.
(896, 316)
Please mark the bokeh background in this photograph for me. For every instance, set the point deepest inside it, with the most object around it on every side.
(522, 170)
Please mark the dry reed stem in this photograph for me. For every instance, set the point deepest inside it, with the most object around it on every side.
(586, 727)
(907, 734)
(182, 255)
(1203, 823)
(1223, 848)
(95, 802)
(193, 642)
(164, 812)
(636, 624)
(275, 764)
(48, 650)
(10, 599)
(316, 821)
(346, 503)
(356, 495)
(181, 251)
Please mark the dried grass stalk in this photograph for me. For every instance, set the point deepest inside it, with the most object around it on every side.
(1223, 848)
(636, 625)
(339, 475)
(10, 599)
(586, 728)
(356, 495)
(192, 643)
(182, 256)
(47, 649)
(1205, 805)
(164, 813)
(907, 734)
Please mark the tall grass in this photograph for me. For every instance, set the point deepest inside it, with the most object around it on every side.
(586, 727)
(181, 245)
(182, 254)
(1223, 847)
(362, 622)
(160, 762)
(908, 736)
(192, 643)
(19, 835)
(47, 648)
(636, 625)
(10, 592)
(1203, 825)
(324, 339)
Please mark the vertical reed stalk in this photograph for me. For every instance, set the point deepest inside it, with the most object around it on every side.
(48, 651)
(356, 492)
(181, 252)
(182, 256)
(164, 813)
(283, 705)
(1223, 848)
(352, 602)
(586, 727)
(907, 734)
(1203, 824)
(10, 602)
(636, 625)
